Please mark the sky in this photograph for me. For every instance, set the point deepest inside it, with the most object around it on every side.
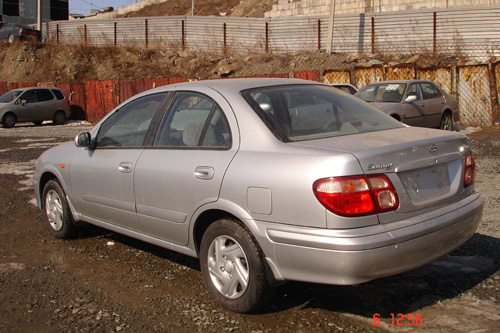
(84, 6)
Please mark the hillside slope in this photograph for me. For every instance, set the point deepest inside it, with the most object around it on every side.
(245, 8)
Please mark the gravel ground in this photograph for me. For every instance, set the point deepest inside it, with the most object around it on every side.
(104, 281)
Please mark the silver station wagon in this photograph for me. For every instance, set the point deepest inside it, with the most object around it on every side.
(34, 105)
(266, 180)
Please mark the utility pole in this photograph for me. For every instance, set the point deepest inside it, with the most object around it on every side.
(39, 15)
(329, 43)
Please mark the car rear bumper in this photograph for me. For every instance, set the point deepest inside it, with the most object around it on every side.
(353, 256)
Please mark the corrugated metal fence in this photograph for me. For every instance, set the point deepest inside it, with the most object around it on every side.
(476, 93)
(470, 32)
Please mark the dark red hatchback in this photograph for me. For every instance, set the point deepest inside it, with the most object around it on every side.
(12, 31)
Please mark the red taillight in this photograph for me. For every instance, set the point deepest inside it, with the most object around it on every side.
(469, 170)
(356, 195)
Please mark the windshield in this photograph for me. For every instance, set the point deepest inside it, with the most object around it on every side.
(10, 96)
(308, 112)
(382, 92)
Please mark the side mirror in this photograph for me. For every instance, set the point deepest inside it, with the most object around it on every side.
(411, 98)
(22, 102)
(83, 140)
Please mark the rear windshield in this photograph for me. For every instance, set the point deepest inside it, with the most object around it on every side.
(309, 112)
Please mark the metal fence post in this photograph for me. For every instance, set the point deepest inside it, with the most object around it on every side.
(434, 32)
(373, 35)
(183, 33)
(146, 31)
(267, 37)
(57, 33)
(319, 34)
(85, 33)
(225, 40)
(115, 30)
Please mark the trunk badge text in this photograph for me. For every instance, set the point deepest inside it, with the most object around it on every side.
(386, 166)
(433, 149)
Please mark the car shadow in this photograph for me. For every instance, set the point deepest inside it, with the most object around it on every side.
(443, 279)
(88, 231)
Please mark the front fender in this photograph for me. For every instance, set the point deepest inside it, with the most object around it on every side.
(53, 164)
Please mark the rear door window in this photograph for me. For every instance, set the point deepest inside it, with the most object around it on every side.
(44, 95)
(193, 120)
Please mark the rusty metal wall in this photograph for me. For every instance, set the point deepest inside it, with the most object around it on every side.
(474, 98)
(441, 76)
(3, 88)
(94, 99)
(101, 99)
(400, 73)
(337, 77)
(496, 94)
(366, 76)
(307, 75)
(129, 88)
(76, 94)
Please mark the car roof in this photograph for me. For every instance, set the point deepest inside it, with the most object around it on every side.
(31, 88)
(400, 81)
(247, 83)
(232, 86)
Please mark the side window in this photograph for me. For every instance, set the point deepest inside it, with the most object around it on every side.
(29, 96)
(44, 95)
(127, 126)
(429, 91)
(193, 120)
(59, 95)
(414, 90)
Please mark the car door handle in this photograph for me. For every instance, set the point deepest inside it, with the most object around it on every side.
(204, 172)
(125, 167)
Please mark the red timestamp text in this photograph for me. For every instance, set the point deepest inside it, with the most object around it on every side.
(400, 319)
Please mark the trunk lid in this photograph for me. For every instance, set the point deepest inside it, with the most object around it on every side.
(424, 165)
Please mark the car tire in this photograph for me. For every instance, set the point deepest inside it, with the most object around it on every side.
(446, 122)
(11, 38)
(59, 218)
(59, 118)
(233, 267)
(9, 120)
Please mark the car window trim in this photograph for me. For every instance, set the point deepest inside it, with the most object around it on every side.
(157, 118)
(207, 122)
(147, 139)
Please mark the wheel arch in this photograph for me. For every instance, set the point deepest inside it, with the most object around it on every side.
(44, 179)
(446, 112)
(396, 116)
(7, 113)
(449, 112)
(210, 213)
(205, 219)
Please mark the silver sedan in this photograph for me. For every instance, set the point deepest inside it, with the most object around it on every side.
(414, 102)
(266, 180)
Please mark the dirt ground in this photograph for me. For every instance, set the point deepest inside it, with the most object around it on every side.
(107, 282)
